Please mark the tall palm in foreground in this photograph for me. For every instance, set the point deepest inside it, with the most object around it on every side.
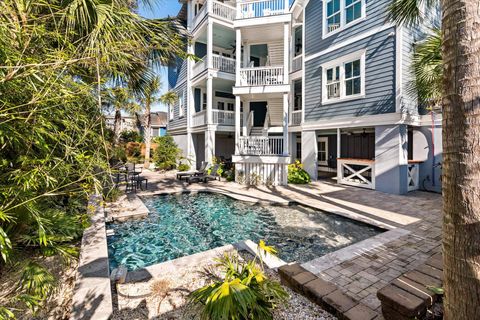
(461, 162)
(150, 93)
(461, 150)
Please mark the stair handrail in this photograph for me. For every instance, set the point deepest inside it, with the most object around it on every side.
(266, 124)
(249, 122)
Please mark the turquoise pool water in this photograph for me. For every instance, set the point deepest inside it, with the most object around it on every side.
(183, 224)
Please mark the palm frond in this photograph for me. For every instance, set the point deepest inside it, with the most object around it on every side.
(410, 12)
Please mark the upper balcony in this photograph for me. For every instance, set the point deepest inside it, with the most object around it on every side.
(215, 9)
(220, 63)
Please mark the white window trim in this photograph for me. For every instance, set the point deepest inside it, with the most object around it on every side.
(181, 104)
(170, 112)
(343, 19)
(341, 62)
(323, 139)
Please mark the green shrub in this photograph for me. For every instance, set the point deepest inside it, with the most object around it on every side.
(245, 292)
(130, 136)
(230, 175)
(183, 167)
(167, 153)
(297, 175)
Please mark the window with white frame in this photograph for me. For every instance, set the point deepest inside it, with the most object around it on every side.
(322, 152)
(170, 111)
(340, 13)
(344, 78)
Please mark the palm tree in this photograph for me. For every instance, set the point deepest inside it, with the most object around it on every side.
(119, 99)
(461, 158)
(169, 98)
(150, 95)
(459, 43)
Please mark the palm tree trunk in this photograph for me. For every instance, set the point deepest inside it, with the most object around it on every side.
(116, 125)
(461, 151)
(147, 134)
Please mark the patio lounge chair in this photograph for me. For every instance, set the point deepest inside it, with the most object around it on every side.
(186, 174)
(206, 177)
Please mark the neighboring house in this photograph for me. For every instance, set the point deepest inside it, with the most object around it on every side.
(135, 123)
(158, 123)
(320, 81)
(127, 123)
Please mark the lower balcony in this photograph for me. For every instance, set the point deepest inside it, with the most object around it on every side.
(221, 63)
(260, 146)
(219, 117)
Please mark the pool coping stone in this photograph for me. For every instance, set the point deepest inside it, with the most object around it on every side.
(92, 295)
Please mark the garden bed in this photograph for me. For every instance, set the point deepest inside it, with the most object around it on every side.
(167, 297)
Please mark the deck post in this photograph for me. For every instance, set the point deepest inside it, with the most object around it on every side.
(286, 50)
(210, 44)
(285, 125)
(209, 99)
(237, 123)
(339, 154)
(238, 52)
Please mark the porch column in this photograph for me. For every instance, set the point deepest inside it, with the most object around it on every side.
(285, 124)
(286, 51)
(391, 159)
(210, 43)
(238, 60)
(191, 153)
(209, 145)
(209, 99)
(339, 143)
(309, 153)
(237, 122)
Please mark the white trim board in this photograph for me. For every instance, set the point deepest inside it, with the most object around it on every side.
(349, 41)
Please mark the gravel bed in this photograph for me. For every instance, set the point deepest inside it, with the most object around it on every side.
(166, 298)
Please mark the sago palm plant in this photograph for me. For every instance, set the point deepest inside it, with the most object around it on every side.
(246, 292)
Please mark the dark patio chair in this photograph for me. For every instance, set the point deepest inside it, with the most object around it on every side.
(206, 177)
(187, 174)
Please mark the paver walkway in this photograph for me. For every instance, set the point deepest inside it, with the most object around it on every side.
(366, 271)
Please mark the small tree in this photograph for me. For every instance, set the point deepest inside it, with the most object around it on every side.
(167, 153)
(150, 95)
(169, 98)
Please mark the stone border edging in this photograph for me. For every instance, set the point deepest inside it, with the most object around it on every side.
(324, 293)
(92, 296)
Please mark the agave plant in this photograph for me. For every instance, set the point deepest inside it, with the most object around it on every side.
(245, 292)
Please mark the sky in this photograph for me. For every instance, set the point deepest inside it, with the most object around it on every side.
(161, 9)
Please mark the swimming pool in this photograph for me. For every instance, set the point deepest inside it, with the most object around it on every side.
(183, 224)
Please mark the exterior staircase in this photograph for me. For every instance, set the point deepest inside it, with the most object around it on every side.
(256, 131)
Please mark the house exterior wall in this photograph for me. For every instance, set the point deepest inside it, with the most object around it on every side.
(179, 122)
(379, 80)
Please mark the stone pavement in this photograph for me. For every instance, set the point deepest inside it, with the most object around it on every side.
(361, 272)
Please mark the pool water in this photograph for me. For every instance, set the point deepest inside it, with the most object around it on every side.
(183, 224)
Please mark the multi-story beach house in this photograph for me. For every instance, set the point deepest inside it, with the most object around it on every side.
(324, 82)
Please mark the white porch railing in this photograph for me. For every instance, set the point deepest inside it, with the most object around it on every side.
(297, 63)
(261, 8)
(261, 76)
(200, 15)
(356, 172)
(260, 146)
(199, 118)
(296, 118)
(223, 10)
(216, 8)
(224, 64)
(413, 177)
(223, 117)
(199, 66)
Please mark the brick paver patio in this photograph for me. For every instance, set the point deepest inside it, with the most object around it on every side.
(366, 271)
